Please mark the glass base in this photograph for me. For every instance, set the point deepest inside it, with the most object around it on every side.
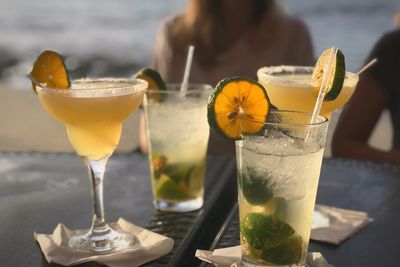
(320, 220)
(245, 263)
(102, 240)
(182, 206)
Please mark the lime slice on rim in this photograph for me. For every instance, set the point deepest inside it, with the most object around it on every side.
(49, 69)
(154, 79)
(336, 77)
(237, 105)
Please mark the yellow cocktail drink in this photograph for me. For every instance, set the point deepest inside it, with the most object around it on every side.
(93, 119)
(292, 88)
(92, 112)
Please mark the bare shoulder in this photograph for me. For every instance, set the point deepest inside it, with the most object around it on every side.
(169, 30)
(170, 23)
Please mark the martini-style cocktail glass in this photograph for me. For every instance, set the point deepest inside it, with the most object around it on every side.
(92, 112)
(292, 88)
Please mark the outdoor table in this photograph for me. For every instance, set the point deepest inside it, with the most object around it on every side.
(40, 190)
(357, 185)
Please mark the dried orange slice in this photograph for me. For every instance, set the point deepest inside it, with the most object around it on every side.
(238, 105)
(49, 69)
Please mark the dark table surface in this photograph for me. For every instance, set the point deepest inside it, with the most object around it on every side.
(39, 190)
(358, 185)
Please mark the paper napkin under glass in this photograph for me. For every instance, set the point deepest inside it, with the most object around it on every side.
(148, 246)
(342, 224)
(231, 257)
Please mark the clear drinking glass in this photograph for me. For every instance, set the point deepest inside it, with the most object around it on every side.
(92, 112)
(292, 88)
(177, 134)
(278, 173)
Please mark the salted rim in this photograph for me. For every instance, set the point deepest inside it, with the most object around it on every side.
(321, 119)
(174, 88)
(101, 87)
(268, 73)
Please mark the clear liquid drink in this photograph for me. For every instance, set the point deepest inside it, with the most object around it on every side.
(278, 173)
(177, 132)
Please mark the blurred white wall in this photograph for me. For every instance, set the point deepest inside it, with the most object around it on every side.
(26, 126)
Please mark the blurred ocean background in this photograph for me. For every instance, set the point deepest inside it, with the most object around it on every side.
(115, 38)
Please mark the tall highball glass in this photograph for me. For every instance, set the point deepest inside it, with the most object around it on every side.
(177, 133)
(278, 173)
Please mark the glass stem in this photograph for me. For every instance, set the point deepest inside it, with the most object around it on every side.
(96, 170)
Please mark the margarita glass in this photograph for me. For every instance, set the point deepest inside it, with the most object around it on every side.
(92, 112)
(177, 133)
(278, 173)
(292, 88)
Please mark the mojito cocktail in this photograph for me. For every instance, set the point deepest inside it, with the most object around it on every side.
(293, 88)
(278, 173)
(177, 132)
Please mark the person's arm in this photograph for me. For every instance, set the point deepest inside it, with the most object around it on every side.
(144, 148)
(357, 122)
(162, 51)
(159, 61)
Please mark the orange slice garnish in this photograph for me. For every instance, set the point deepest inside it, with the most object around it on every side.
(238, 105)
(49, 69)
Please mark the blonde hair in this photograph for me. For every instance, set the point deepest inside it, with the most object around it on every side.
(201, 26)
(396, 19)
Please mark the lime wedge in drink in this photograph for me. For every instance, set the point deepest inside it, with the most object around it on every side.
(254, 187)
(158, 162)
(171, 191)
(288, 252)
(261, 231)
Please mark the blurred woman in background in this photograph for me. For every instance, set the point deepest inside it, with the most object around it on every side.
(231, 38)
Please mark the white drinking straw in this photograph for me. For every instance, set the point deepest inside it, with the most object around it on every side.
(185, 82)
(324, 85)
(370, 64)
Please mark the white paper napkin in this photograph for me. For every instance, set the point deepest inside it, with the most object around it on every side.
(149, 246)
(231, 257)
(343, 224)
